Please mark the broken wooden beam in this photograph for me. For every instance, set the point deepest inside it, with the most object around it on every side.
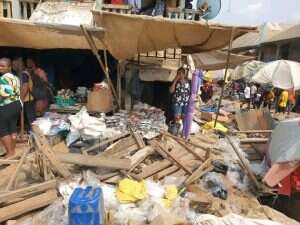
(198, 172)
(94, 161)
(168, 155)
(253, 140)
(11, 182)
(140, 156)
(28, 205)
(24, 192)
(98, 145)
(253, 132)
(45, 148)
(139, 139)
(244, 163)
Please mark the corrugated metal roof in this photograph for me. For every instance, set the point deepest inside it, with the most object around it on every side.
(291, 33)
(266, 32)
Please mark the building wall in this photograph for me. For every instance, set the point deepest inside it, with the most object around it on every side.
(286, 50)
(294, 51)
(268, 53)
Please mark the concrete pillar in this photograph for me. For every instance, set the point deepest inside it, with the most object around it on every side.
(277, 51)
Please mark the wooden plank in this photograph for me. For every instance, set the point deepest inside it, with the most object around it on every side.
(140, 156)
(198, 172)
(105, 142)
(45, 148)
(107, 176)
(165, 172)
(118, 146)
(15, 174)
(253, 140)
(23, 192)
(154, 168)
(166, 154)
(8, 162)
(124, 152)
(28, 205)
(139, 140)
(94, 161)
(244, 163)
(183, 143)
(253, 132)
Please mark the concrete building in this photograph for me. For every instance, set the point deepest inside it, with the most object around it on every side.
(272, 42)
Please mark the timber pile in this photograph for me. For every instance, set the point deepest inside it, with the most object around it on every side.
(33, 176)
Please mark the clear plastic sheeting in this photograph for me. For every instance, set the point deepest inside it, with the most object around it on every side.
(231, 219)
(52, 123)
(238, 178)
(55, 214)
(285, 142)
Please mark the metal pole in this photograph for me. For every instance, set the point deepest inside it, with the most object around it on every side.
(225, 75)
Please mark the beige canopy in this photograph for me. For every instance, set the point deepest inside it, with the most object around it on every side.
(126, 35)
(26, 34)
(216, 60)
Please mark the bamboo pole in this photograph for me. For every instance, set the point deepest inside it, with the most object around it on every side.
(225, 75)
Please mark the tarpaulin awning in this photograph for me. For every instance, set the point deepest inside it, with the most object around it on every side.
(127, 35)
(26, 34)
(217, 60)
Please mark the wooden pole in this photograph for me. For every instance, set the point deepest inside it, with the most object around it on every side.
(22, 129)
(94, 49)
(225, 76)
(119, 85)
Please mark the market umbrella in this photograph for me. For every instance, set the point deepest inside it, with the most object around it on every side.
(282, 74)
(246, 70)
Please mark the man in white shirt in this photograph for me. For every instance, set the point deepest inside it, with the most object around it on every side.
(253, 92)
(247, 97)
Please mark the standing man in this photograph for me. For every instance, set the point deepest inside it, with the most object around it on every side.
(268, 98)
(247, 97)
(253, 92)
(181, 90)
(10, 106)
(291, 101)
(26, 90)
(283, 100)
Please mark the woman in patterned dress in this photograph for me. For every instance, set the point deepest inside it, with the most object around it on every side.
(181, 90)
(10, 106)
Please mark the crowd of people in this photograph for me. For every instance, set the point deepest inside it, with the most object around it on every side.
(23, 88)
(256, 96)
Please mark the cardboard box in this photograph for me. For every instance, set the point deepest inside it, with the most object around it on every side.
(100, 100)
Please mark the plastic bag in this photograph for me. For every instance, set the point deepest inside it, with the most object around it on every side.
(214, 183)
(238, 178)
